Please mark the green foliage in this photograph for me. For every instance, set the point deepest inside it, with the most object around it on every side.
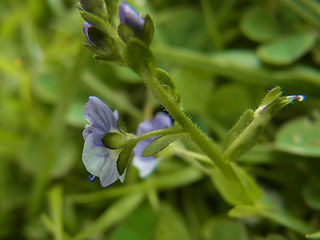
(123, 159)
(171, 225)
(222, 57)
(260, 25)
(139, 57)
(235, 185)
(160, 143)
(286, 50)
(225, 229)
(300, 136)
(143, 229)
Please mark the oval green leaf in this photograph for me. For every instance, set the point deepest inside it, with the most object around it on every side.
(160, 143)
(259, 25)
(287, 49)
(300, 136)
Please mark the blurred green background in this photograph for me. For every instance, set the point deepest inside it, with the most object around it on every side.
(223, 56)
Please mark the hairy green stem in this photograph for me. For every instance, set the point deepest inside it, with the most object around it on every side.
(157, 133)
(202, 140)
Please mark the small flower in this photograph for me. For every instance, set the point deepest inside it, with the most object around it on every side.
(93, 35)
(130, 17)
(147, 164)
(99, 161)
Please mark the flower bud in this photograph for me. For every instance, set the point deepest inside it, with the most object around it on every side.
(97, 7)
(130, 17)
(93, 35)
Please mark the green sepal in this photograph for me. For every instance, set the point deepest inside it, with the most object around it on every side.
(139, 57)
(147, 31)
(240, 125)
(113, 11)
(271, 96)
(160, 143)
(244, 211)
(96, 7)
(245, 144)
(235, 185)
(102, 52)
(115, 140)
(109, 58)
(121, 125)
(166, 82)
(123, 159)
(125, 32)
(100, 24)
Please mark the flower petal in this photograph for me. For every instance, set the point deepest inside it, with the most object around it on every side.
(100, 116)
(86, 27)
(145, 167)
(147, 164)
(94, 154)
(160, 121)
(109, 172)
(99, 160)
(130, 17)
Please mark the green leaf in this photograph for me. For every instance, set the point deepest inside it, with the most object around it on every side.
(165, 80)
(194, 87)
(147, 31)
(271, 96)
(111, 216)
(240, 125)
(235, 185)
(160, 143)
(139, 57)
(140, 225)
(260, 25)
(287, 49)
(243, 211)
(300, 136)
(125, 32)
(56, 209)
(224, 229)
(123, 159)
(315, 235)
(171, 226)
(97, 7)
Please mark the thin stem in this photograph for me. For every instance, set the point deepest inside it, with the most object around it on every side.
(211, 24)
(157, 133)
(198, 156)
(202, 140)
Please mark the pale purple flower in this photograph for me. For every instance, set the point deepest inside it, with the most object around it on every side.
(86, 27)
(130, 17)
(99, 161)
(147, 164)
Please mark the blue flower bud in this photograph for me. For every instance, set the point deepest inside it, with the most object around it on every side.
(130, 17)
(93, 35)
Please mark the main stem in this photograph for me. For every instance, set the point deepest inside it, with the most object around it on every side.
(202, 140)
